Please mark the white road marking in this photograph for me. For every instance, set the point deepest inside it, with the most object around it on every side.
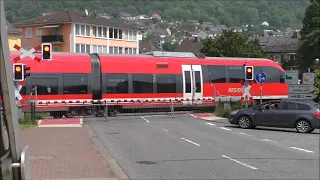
(246, 165)
(193, 116)
(300, 149)
(225, 128)
(162, 128)
(245, 134)
(268, 140)
(81, 120)
(144, 119)
(210, 124)
(190, 141)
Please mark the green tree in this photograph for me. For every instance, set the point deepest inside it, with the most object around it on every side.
(232, 44)
(317, 85)
(310, 37)
(170, 46)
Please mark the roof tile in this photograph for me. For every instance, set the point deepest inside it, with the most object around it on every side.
(77, 17)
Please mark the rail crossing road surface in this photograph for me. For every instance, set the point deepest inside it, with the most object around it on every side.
(183, 147)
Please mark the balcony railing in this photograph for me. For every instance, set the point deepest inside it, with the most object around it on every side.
(52, 38)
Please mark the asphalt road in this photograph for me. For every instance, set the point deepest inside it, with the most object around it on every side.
(160, 147)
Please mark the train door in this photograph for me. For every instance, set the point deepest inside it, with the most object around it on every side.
(96, 77)
(192, 84)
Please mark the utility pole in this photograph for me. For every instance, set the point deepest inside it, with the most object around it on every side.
(11, 110)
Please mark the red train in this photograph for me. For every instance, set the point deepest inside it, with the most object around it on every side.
(71, 80)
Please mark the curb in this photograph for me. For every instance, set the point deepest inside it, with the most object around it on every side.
(217, 120)
(222, 121)
(107, 157)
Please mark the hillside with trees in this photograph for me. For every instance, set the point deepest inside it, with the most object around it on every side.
(278, 13)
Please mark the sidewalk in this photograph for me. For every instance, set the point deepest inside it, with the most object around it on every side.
(64, 153)
(210, 117)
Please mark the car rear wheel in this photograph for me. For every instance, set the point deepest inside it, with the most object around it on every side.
(245, 122)
(303, 126)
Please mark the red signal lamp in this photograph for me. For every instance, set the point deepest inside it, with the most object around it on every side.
(18, 69)
(46, 48)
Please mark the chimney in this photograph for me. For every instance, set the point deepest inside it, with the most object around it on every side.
(196, 39)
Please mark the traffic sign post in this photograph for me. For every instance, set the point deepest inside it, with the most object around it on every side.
(301, 88)
(261, 78)
(302, 91)
(308, 78)
(291, 76)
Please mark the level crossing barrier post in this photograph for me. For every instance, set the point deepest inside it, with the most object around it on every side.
(33, 111)
(171, 108)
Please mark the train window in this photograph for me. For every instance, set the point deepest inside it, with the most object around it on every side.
(273, 74)
(117, 83)
(197, 78)
(236, 74)
(45, 86)
(142, 83)
(75, 84)
(281, 76)
(217, 74)
(166, 83)
(187, 81)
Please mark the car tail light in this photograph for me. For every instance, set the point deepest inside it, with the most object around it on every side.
(317, 114)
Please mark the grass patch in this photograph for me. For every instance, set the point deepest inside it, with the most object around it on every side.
(27, 126)
(225, 112)
(28, 122)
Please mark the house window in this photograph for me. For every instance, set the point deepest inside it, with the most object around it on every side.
(99, 49)
(28, 32)
(131, 35)
(77, 29)
(115, 33)
(99, 31)
(292, 57)
(130, 51)
(82, 30)
(94, 31)
(38, 31)
(115, 50)
(277, 58)
(55, 31)
(105, 30)
(82, 48)
(55, 48)
(111, 33)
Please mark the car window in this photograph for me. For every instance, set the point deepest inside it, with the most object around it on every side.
(303, 106)
(289, 106)
(269, 106)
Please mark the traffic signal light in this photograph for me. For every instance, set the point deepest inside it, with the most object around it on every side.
(249, 72)
(20, 72)
(25, 71)
(46, 51)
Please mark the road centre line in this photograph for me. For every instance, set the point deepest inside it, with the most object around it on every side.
(210, 124)
(144, 119)
(245, 134)
(190, 141)
(162, 128)
(225, 128)
(246, 165)
(300, 149)
(268, 140)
